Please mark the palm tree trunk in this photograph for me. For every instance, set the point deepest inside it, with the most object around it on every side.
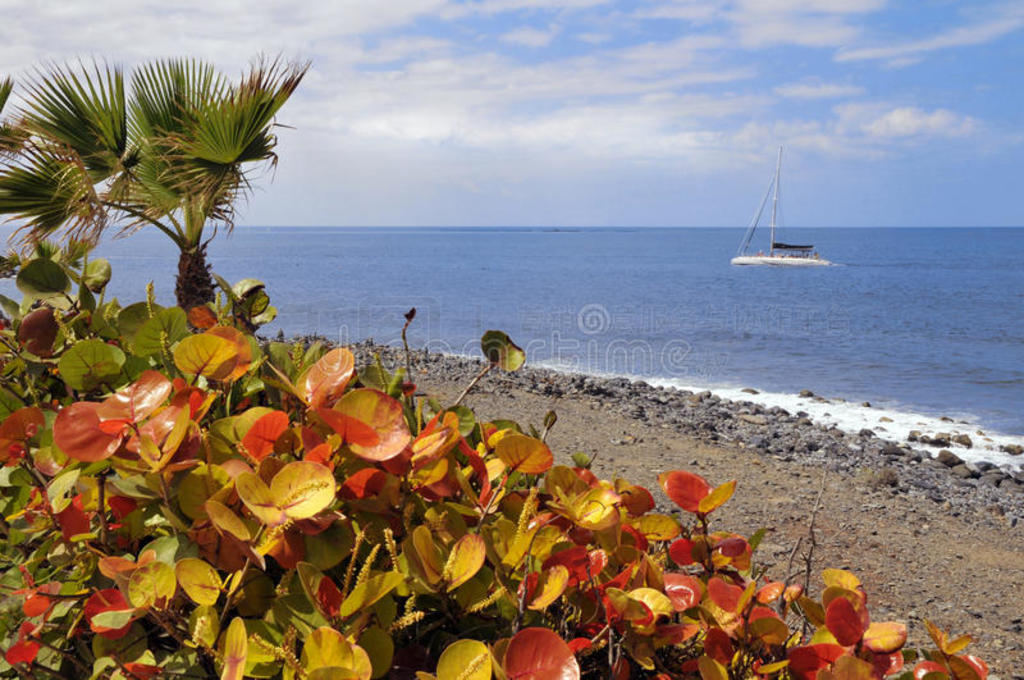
(194, 285)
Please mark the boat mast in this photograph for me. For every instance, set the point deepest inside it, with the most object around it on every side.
(775, 202)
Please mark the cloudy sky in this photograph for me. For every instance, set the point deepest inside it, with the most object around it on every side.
(596, 112)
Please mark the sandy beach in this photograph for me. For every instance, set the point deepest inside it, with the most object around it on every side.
(928, 540)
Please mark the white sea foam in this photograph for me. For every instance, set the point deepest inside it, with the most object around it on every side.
(853, 417)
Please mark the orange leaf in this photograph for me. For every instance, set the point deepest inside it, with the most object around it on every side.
(381, 413)
(725, 595)
(76, 431)
(202, 317)
(805, 662)
(326, 380)
(524, 454)
(685, 489)
(243, 352)
(717, 497)
(539, 654)
(845, 622)
(885, 638)
(684, 591)
(259, 441)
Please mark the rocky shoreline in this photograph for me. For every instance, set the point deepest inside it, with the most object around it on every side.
(931, 472)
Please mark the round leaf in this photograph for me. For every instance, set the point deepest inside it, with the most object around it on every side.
(465, 660)
(327, 648)
(685, 489)
(199, 580)
(258, 497)
(76, 431)
(465, 560)
(302, 489)
(499, 349)
(524, 454)
(166, 327)
(325, 380)
(152, 584)
(90, 363)
(540, 654)
(885, 638)
(205, 354)
(42, 278)
(96, 275)
(383, 415)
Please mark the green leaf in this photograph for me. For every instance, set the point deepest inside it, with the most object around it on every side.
(170, 325)
(42, 278)
(96, 275)
(90, 363)
(501, 351)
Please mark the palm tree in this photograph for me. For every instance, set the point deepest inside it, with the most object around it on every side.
(174, 150)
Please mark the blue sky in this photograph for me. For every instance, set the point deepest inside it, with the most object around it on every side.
(591, 112)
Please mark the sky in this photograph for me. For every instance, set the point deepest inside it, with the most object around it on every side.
(601, 113)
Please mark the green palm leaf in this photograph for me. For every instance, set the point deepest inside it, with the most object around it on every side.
(84, 110)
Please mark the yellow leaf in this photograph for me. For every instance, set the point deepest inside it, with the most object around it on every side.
(840, 578)
(369, 591)
(199, 580)
(551, 586)
(852, 668)
(303, 488)
(711, 669)
(524, 454)
(257, 496)
(207, 355)
(465, 660)
(717, 497)
(152, 585)
(465, 560)
(885, 638)
(657, 527)
(226, 521)
(326, 648)
(236, 648)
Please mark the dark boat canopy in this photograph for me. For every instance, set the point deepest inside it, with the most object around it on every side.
(787, 246)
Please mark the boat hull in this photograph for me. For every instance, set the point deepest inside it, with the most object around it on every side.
(779, 261)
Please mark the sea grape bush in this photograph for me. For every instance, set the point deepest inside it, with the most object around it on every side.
(182, 500)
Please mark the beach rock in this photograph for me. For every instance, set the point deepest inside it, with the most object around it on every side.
(804, 422)
(962, 439)
(964, 472)
(750, 390)
(883, 419)
(948, 458)
(940, 439)
(753, 420)
(893, 450)
(866, 404)
(806, 393)
(914, 435)
(946, 419)
(866, 433)
(1012, 449)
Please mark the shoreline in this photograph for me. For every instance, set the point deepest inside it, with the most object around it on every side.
(926, 543)
(934, 466)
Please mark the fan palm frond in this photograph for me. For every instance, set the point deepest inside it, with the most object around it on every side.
(84, 110)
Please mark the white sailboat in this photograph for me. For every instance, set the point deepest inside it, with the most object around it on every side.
(779, 254)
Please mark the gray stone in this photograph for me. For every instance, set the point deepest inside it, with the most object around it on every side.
(962, 439)
(806, 393)
(964, 472)
(948, 458)
(1012, 449)
(750, 390)
(866, 433)
(753, 420)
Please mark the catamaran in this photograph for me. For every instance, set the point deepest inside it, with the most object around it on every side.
(784, 254)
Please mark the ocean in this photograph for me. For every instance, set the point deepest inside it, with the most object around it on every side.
(922, 323)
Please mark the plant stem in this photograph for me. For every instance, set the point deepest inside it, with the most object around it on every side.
(479, 376)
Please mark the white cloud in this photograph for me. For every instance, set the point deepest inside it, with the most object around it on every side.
(911, 121)
(531, 37)
(817, 90)
(962, 36)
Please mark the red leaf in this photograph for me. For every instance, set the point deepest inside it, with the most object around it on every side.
(925, 667)
(23, 651)
(363, 484)
(718, 646)
(35, 604)
(732, 547)
(805, 662)
(19, 427)
(137, 401)
(579, 644)
(258, 442)
(121, 506)
(77, 432)
(725, 595)
(577, 561)
(681, 551)
(845, 622)
(351, 430)
(683, 591)
(329, 597)
(73, 520)
(106, 600)
(685, 489)
(202, 317)
(540, 654)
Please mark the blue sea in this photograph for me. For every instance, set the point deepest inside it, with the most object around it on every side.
(922, 323)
